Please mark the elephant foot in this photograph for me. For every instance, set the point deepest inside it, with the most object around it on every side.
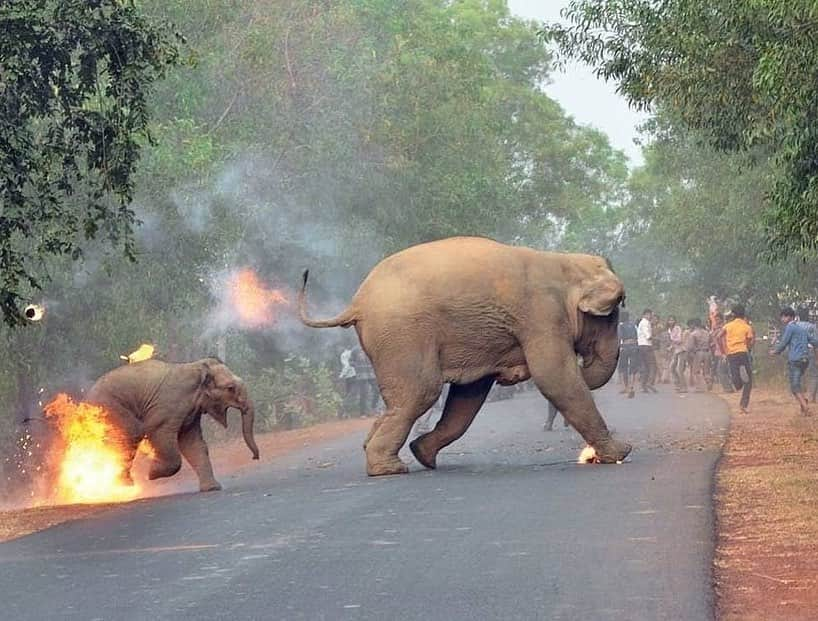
(210, 486)
(387, 467)
(426, 458)
(160, 470)
(611, 451)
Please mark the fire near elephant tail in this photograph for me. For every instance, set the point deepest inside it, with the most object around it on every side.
(88, 457)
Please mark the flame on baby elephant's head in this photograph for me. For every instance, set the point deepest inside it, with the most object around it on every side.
(254, 303)
(92, 456)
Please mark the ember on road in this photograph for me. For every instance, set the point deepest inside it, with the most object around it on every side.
(509, 527)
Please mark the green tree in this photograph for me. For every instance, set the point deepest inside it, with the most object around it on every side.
(75, 77)
(741, 72)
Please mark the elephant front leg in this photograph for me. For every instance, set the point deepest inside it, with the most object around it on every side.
(555, 371)
(194, 450)
(462, 405)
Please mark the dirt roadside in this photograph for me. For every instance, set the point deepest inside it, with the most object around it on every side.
(228, 459)
(766, 564)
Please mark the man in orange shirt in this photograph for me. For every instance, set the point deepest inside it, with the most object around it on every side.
(738, 341)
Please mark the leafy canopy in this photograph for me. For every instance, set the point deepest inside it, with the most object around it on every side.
(744, 73)
(74, 81)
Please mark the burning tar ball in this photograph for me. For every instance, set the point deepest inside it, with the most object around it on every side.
(34, 312)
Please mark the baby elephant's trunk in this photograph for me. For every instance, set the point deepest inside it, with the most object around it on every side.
(248, 416)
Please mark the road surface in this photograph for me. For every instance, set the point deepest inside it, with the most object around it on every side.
(508, 527)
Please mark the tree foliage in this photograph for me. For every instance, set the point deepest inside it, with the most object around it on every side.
(323, 135)
(75, 77)
(742, 74)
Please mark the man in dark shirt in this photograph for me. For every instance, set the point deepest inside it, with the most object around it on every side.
(628, 353)
(367, 386)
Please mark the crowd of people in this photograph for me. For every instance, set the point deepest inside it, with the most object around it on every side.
(719, 352)
(690, 355)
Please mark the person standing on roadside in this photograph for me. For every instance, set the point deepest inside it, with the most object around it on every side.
(677, 354)
(698, 355)
(628, 353)
(720, 367)
(738, 341)
(796, 338)
(663, 354)
(367, 386)
(347, 376)
(647, 355)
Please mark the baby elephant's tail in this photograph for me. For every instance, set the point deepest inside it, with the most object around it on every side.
(344, 320)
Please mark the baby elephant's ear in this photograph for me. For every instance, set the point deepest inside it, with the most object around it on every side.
(206, 378)
(601, 295)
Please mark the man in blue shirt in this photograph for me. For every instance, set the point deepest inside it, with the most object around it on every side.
(797, 337)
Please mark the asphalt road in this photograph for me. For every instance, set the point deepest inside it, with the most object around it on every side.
(507, 528)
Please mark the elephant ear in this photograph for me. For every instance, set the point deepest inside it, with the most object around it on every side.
(206, 378)
(601, 295)
(207, 382)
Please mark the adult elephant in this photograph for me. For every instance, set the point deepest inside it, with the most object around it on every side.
(164, 402)
(471, 311)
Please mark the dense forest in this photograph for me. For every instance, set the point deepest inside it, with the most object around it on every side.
(293, 134)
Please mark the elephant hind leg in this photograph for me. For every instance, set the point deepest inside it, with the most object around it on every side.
(167, 460)
(462, 405)
(407, 397)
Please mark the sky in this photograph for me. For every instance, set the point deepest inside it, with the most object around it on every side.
(589, 100)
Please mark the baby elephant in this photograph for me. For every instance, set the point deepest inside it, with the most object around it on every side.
(164, 402)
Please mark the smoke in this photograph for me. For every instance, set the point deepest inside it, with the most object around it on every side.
(275, 229)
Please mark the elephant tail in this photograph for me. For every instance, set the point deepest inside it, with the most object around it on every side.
(344, 320)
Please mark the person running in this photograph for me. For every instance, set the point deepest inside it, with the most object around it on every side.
(796, 338)
(644, 339)
(812, 371)
(678, 355)
(698, 355)
(738, 341)
(628, 353)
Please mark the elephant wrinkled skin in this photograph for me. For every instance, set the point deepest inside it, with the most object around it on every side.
(164, 402)
(471, 311)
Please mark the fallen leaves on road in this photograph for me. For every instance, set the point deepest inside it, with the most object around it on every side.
(766, 564)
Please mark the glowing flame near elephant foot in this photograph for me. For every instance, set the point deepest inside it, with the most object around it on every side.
(92, 459)
(588, 456)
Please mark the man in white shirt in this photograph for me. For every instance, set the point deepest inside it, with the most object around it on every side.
(644, 339)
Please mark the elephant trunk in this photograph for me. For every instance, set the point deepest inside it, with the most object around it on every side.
(248, 416)
(599, 347)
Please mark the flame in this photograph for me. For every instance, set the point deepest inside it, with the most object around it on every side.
(252, 300)
(146, 448)
(92, 461)
(145, 352)
(588, 456)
